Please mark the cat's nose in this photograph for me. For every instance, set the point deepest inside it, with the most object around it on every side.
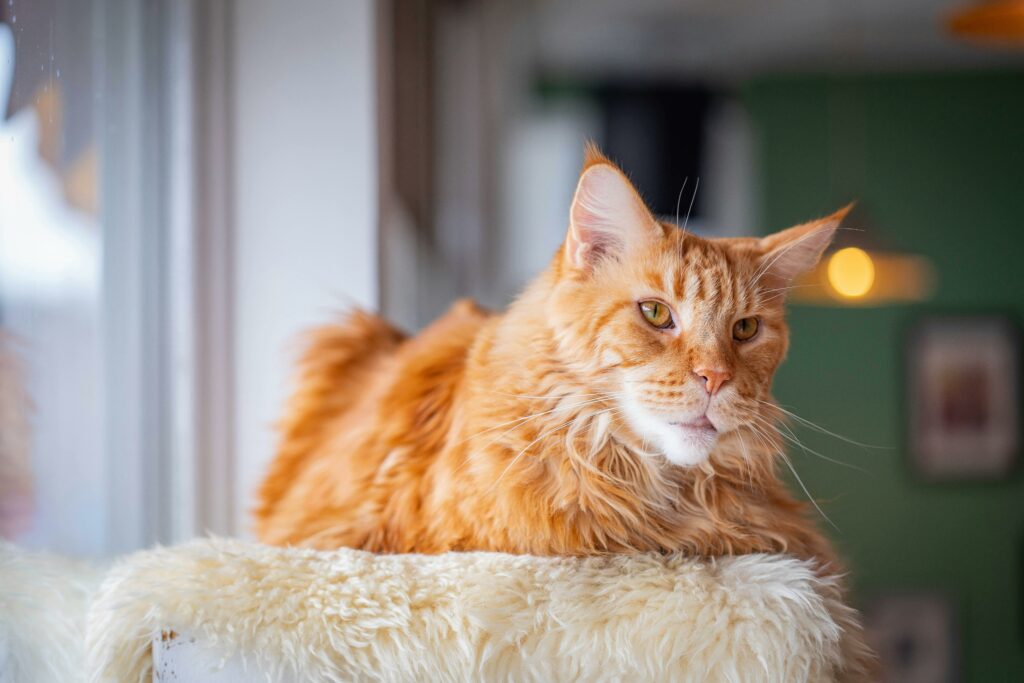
(713, 379)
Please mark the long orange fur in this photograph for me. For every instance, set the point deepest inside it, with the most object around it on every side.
(505, 433)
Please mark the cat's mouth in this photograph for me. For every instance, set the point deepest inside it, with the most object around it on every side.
(684, 439)
(697, 425)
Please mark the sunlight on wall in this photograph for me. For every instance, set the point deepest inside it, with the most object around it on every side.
(47, 250)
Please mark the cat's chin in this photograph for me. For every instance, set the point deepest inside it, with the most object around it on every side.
(682, 443)
(688, 446)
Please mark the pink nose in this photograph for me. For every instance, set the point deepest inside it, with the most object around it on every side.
(713, 379)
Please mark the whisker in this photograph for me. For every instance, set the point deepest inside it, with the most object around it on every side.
(819, 428)
(778, 451)
(526, 448)
(516, 423)
(542, 436)
(792, 438)
(746, 460)
(679, 199)
(692, 199)
(607, 476)
(519, 421)
(769, 299)
(778, 293)
(557, 396)
(763, 438)
(810, 498)
(786, 289)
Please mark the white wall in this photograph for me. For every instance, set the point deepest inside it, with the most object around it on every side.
(304, 157)
(540, 166)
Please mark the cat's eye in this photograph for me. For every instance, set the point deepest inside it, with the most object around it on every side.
(744, 329)
(657, 314)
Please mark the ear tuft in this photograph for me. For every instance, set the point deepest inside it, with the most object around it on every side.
(592, 155)
(607, 215)
(793, 252)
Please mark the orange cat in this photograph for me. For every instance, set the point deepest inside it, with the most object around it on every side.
(621, 404)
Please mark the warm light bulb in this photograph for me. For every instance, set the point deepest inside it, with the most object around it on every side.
(851, 272)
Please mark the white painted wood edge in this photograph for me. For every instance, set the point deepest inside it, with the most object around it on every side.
(179, 659)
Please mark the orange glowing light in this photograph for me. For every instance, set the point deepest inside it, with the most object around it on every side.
(851, 272)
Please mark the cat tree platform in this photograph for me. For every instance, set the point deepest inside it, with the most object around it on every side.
(220, 610)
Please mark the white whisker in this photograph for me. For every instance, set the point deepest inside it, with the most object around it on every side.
(539, 438)
(806, 492)
(692, 199)
(765, 440)
(819, 428)
(792, 438)
(679, 199)
(519, 421)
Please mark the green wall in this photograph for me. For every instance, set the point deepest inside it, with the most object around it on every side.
(938, 163)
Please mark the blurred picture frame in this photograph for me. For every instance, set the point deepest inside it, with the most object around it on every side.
(963, 397)
(916, 637)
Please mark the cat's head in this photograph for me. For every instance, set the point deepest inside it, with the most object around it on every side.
(684, 333)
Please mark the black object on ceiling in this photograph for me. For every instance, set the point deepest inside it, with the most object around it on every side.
(656, 133)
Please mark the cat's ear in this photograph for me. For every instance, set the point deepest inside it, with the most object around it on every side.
(607, 215)
(792, 252)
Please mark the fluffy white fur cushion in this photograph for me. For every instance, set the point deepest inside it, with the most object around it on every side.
(349, 615)
(43, 602)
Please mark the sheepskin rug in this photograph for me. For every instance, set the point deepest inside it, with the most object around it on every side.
(299, 615)
(43, 604)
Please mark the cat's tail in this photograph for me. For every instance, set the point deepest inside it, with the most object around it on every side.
(331, 377)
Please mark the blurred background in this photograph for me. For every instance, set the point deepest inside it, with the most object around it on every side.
(186, 185)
